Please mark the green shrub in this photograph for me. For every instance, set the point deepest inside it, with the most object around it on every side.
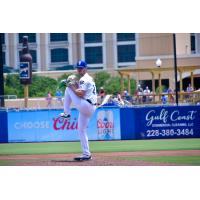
(39, 87)
(41, 84)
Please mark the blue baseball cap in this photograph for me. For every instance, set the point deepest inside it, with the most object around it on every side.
(81, 64)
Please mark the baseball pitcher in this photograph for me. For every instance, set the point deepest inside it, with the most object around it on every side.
(83, 94)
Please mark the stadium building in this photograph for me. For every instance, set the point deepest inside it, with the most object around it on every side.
(131, 55)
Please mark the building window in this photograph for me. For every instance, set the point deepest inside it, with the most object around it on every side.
(56, 37)
(59, 55)
(33, 54)
(2, 38)
(31, 37)
(125, 36)
(93, 37)
(193, 41)
(94, 55)
(126, 53)
(4, 58)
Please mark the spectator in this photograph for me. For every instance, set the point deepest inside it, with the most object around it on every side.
(189, 90)
(59, 95)
(139, 93)
(127, 97)
(49, 99)
(119, 98)
(164, 99)
(170, 95)
(146, 94)
(102, 94)
(126, 93)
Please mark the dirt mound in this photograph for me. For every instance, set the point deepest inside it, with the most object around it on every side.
(99, 159)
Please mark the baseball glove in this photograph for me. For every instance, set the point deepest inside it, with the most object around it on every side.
(72, 81)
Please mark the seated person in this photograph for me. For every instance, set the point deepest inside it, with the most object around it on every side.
(102, 93)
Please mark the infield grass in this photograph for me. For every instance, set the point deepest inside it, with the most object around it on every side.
(182, 160)
(99, 146)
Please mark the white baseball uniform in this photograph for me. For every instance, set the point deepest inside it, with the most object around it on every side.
(86, 106)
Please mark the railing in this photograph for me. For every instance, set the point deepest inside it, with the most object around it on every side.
(8, 96)
(5, 98)
(12, 102)
(168, 98)
(34, 103)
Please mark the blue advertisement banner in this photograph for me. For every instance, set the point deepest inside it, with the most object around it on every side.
(167, 122)
(107, 121)
(127, 120)
(46, 125)
(3, 127)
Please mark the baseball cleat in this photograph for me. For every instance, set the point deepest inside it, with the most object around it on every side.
(83, 158)
(64, 115)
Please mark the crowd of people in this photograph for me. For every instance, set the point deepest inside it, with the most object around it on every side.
(145, 96)
(141, 96)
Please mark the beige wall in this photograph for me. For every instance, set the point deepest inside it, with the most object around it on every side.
(198, 43)
(76, 47)
(169, 62)
(12, 48)
(160, 45)
(189, 61)
(154, 44)
(43, 51)
(109, 51)
(183, 44)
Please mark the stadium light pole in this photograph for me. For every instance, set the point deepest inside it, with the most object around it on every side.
(175, 68)
(1, 73)
(158, 64)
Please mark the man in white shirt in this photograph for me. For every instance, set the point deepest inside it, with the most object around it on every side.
(146, 94)
(189, 90)
(84, 97)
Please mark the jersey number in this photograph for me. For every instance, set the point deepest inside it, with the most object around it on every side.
(94, 89)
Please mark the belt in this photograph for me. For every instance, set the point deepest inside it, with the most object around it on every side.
(89, 101)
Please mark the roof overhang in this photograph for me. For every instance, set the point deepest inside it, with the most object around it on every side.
(130, 70)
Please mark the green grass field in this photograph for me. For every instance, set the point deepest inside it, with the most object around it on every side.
(107, 146)
(99, 146)
(185, 160)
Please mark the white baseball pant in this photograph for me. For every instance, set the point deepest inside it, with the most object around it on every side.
(85, 112)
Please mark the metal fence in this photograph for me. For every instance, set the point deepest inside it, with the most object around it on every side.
(185, 98)
(12, 102)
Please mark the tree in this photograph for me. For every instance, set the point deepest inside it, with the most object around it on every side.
(163, 88)
(39, 87)
(41, 84)
(112, 84)
(101, 79)
(13, 86)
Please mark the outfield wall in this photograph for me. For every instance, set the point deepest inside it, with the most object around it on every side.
(3, 127)
(160, 122)
(46, 125)
(108, 123)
